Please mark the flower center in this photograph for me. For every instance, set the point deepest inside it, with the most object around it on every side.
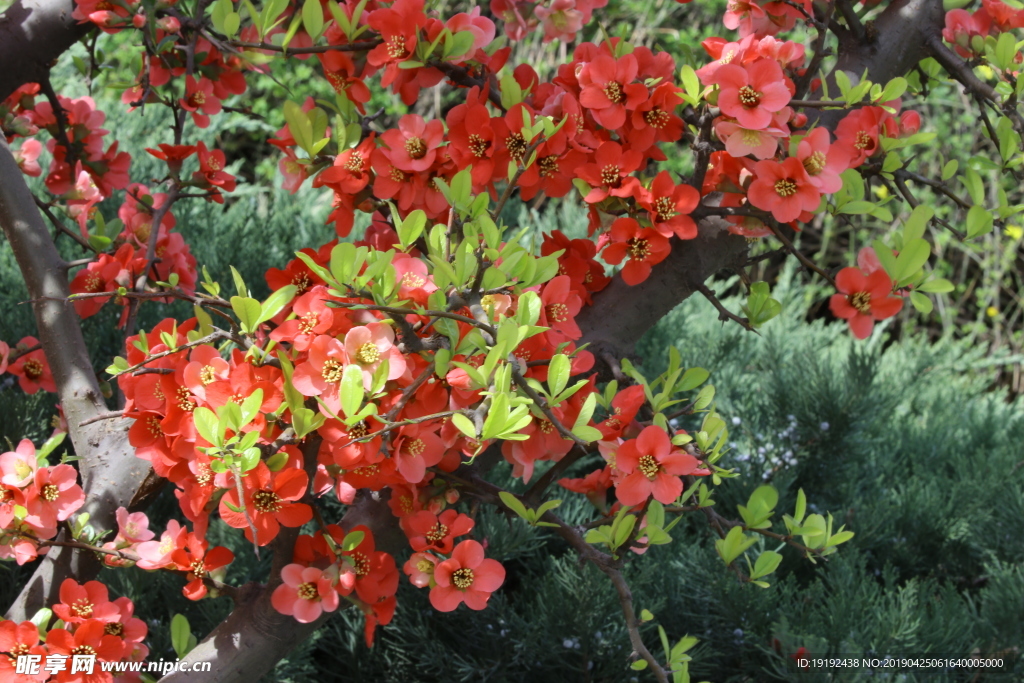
(462, 578)
(749, 97)
(308, 591)
(368, 354)
(412, 280)
(83, 650)
(207, 375)
(82, 608)
(155, 429)
(355, 162)
(437, 533)
(415, 447)
(861, 301)
(613, 91)
(308, 322)
(516, 144)
(332, 370)
(557, 313)
(785, 187)
(664, 209)
(815, 163)
(648, 466)
(301, 282)
(864, 140)
(424, 566)
(656, 118)
(33, 369)
(611, 175)
(638, 248)
(416, 148)
(358, 430)
(547, 166)
(477, 145)
(114, 629)
(266, 501)
(396, 47)
(49, 492)
(360, 563)
(197, 569)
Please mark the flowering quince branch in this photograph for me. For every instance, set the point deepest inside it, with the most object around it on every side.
(406, 361)
(723, 312)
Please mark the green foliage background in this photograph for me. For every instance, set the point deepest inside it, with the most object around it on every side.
(903, 442)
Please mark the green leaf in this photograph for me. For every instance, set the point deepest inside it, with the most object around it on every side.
(638, 665)
(692, 379)
(207, 425)
(48, 447)
(464, 425)
(857, 207)
(936, 286)
(979, 221)
(248, 312)
(949, 170)
(916, 223)
(276, 302)
(922, 303)
(514, 504)
(893, 89)
(313, 18)
(558, 373)
(767, 562)
(352, 540)
(351, 390)
(914, 255)
(180, 632)
(801, 506)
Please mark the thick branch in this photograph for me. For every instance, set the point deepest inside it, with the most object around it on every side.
(33, 33)
(103, 445)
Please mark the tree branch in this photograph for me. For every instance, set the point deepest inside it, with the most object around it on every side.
(102, 445)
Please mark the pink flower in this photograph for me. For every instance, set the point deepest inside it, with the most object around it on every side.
(427, 531)
(18, 467)
(561, 20)
(157, 554)
(420, 569)
(370, 345)
(466, 577)
(307, 592)
(652, 466)
(863, 299)
(741, 142)
(53, 496)
(751, 93)
(413, 145)
(133, 527)
(823, 161)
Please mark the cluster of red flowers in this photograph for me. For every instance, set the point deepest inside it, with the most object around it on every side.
(90, 624)
(82, 174)
(991, 19)
(34, 498)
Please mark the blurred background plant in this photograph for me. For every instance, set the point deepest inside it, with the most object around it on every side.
(917, 442)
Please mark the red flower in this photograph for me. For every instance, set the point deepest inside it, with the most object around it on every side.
(669, 206)
(559, 307)
(89, 638)
(652, 467)
(608, 89)
(609, 174)
(416, 447)
(198, 562)
(863, 299)
(644, 246)
(31, 369)
(19, 639)
(784, 189)
(80, 603)
(427, 531)
(53, 496)
(751, 93)
(269, 502)
(200, 100)
(466, 577)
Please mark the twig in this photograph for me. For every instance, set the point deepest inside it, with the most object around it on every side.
(793, 250)
(723, 312)
(852, 20)
(57, 223)
(350, 47)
